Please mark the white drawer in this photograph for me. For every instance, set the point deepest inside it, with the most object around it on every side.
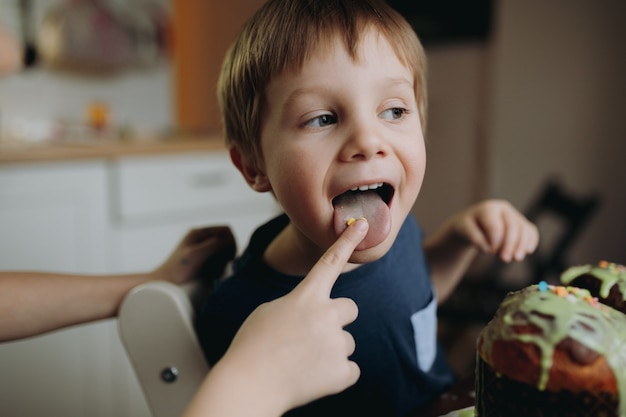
(151, 187)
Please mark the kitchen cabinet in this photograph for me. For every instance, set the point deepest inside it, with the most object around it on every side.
(110, 215)
(167, 195)
(53, 217)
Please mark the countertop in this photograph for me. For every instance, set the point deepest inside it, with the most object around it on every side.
(13, 152)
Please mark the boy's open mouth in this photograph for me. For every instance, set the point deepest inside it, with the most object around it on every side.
(370, 201)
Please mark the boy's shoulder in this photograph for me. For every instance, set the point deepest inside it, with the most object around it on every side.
(252, 279)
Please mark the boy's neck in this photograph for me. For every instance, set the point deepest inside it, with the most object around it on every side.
(292, 254)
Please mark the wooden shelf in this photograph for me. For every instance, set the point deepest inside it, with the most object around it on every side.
(23, 152)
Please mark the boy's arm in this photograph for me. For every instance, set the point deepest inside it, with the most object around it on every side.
(493, 226)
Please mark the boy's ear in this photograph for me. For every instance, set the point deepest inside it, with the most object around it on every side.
(254, 176)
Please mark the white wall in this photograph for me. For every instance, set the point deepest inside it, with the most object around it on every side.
(557, 102)
(543, 97)
(139, 98)
(454, 143)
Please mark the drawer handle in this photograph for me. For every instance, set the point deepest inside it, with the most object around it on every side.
(208, 179)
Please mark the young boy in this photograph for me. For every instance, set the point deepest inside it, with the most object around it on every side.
(324, 105)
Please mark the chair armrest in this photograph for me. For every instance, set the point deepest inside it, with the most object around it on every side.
(155, 324)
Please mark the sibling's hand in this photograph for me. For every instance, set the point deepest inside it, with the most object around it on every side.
(497, 228)
(295, 347)
(202, 252)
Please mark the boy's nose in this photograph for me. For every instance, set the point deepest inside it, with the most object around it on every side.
(363, 142)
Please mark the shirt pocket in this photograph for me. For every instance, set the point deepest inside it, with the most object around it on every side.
(425, 332)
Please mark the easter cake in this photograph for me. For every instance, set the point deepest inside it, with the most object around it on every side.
(552, 351)
(606, 281)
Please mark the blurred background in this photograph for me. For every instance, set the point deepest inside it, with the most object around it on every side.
(110, 148)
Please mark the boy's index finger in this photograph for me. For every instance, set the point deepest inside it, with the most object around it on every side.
(325, 272)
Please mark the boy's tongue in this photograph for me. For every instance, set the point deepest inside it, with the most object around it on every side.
(368, 204)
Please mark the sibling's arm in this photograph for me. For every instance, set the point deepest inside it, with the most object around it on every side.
(32, 303)
(492, 226)
(289, 351)
(10, 53)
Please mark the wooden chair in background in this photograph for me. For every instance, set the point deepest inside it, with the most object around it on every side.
(561, 218)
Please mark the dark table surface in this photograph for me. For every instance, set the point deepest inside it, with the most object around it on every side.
(461, 395)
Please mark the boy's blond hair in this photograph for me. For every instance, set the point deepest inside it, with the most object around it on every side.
(282, 35)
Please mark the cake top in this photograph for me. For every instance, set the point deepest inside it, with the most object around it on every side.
(464, 412)
(546, 315)
(609, 274)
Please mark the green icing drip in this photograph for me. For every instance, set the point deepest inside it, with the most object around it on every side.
(575, 315)
(464, 412)
(608, 273)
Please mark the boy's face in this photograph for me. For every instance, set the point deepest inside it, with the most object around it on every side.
(337, 125)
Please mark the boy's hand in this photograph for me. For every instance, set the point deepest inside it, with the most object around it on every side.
(497, 228)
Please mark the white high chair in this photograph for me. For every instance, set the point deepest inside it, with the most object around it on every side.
(155, 324)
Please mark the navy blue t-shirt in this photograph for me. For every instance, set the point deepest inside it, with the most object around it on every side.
(402, 365)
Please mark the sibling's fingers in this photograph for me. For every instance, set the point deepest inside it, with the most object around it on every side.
(199, 235)
(350, 343)
(324, 274)
(347, 310)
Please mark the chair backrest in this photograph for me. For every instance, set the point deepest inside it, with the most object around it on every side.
(155, 324)
(560, 217)
(573, 211)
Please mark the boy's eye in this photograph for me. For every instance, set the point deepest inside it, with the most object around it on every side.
(394, 113)
(321, 121)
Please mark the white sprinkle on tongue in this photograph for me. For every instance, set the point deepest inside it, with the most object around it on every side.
(368, 204)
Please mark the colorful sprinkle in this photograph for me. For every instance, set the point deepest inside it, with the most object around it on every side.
(612, 267)
(351, 220)
(543, 286)
(561, 291)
